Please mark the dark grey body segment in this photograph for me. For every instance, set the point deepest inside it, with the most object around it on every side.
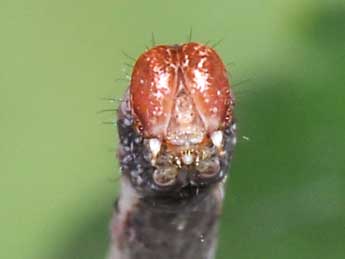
(183, 228)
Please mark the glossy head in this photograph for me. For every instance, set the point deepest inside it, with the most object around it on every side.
(180, 91)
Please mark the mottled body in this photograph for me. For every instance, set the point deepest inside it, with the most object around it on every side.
(177, 136)
(184, 228)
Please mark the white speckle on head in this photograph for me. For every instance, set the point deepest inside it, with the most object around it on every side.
(168, 51)
(201, 80)
(162, 81)
(142, 81)
(157, 111)
(172, 65)
(157, 69)
(158, 95)
(203, 52)
(186, 61)
(214, 110)
(201, 62)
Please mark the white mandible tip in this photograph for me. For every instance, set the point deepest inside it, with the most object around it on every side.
(217, 138)
(155, 146)
(187, 158)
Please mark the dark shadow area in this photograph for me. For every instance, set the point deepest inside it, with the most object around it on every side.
(324, 27)
(286, 184)
(286, 191)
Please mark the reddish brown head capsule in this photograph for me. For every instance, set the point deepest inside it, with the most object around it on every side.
(181, 103)
(181, 86)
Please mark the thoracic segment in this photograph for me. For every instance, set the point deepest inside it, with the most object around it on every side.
(153, 167)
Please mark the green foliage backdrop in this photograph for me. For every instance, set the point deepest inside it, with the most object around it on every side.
(286, 194)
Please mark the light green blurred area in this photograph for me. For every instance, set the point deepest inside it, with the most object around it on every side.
(286, 194)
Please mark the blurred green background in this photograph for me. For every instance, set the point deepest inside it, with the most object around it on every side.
(286, 194)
